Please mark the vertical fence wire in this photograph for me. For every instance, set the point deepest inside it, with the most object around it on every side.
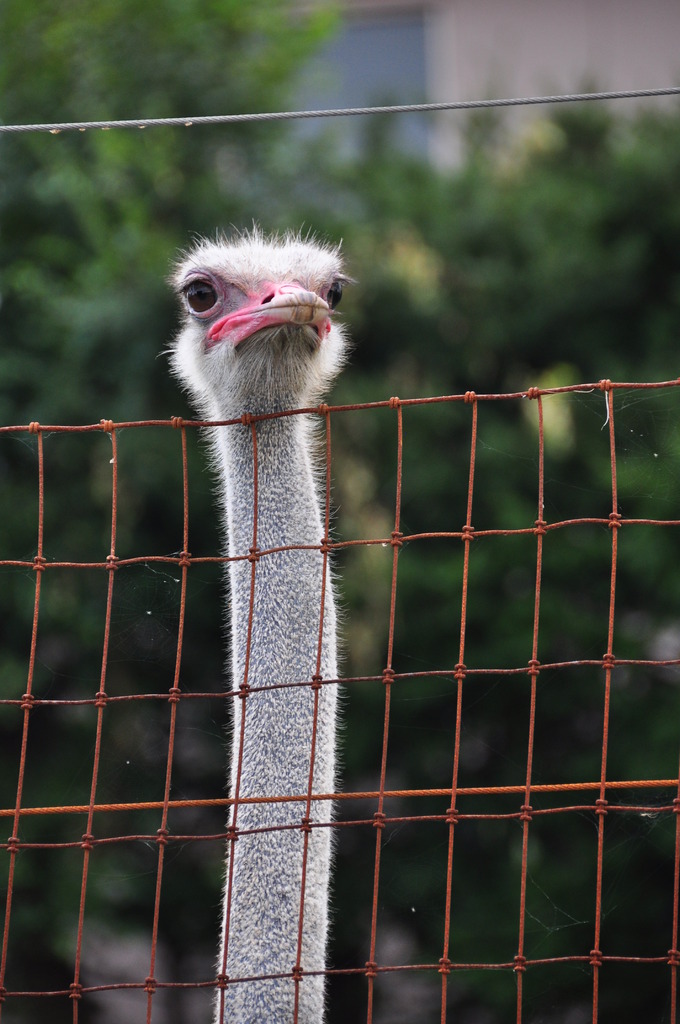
(174, 696)
(534, 665)
(387, 678)
(316, 685)
(452, 812)
(601, 803)
(100, 704)
(243, 690)
(26, 704)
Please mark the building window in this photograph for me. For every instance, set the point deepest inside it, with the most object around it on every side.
(373, 60)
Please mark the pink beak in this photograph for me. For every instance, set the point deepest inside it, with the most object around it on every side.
(275, 304)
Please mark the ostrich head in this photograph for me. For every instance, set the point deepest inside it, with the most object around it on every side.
(259, 333)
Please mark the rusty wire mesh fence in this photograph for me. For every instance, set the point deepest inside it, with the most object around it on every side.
(137, 818)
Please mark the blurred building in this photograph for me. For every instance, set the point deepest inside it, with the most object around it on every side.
(410, 51)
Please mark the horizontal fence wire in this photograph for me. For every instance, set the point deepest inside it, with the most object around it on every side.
(377, 809)
(55, 128)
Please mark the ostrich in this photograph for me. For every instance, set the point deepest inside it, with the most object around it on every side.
(259, 337)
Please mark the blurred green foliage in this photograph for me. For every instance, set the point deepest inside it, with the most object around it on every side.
(548, 261)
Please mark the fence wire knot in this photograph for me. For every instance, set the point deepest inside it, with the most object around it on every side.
(222, 981)
(452, 816)
(150, 985)
(533, 668)
(306, 825)
(527, 812)
(112, 562)
(322, 409)
(3, 993)
(246, 419)
(184, 560)
(27, 701)
(33, 427)
(460, 672)
(605, 385)
(378, 820)
(470, 396)
(75, 990)
(673, 958)
(101, 699)
(388, 675)
(371, 968)
(162, 834)
(676, 805)
(534, 393)
(601, 806)
(107, 426)
(174, 694)
(39, 563)
(540, 527)
(519, 964)
(444, 965)
(176, 422)
(253, 555)
(595, 958)
(396, 539)
(615, 520)
(467, 532)
(394, 402)
(87, 841)
(317, 682)
(608, 661)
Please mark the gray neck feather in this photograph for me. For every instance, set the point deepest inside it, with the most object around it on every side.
(271, 747)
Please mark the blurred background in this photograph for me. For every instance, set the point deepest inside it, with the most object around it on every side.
(493, 251)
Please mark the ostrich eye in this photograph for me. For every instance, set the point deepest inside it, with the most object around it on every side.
(334, 294)
(200, 296)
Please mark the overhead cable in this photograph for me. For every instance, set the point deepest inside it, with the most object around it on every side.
(56, 128)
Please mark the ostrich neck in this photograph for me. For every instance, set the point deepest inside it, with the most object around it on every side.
(288, 506)
(282, 632)
(287, 608)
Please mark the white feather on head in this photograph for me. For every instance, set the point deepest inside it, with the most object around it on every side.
(280, 366)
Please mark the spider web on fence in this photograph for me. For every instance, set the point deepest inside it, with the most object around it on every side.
(378, 811)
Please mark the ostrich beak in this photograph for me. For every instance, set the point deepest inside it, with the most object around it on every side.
(275, 304)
